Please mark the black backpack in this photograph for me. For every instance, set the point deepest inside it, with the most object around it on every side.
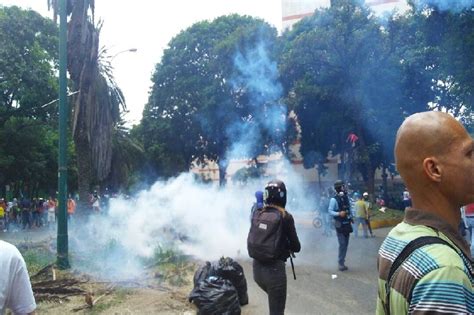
(264, 242)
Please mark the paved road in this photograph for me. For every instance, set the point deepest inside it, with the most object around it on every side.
(315, 292)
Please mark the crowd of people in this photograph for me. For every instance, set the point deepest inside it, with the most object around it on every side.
(33, 213)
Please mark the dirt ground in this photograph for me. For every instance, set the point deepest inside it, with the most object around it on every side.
(127, 301)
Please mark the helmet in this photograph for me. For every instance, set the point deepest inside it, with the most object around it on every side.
(356, 195)
(275, 193)
(365, 194)
(339, 185)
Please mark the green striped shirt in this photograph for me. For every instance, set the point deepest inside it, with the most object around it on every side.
(438, 279)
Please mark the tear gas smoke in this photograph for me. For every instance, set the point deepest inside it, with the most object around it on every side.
(257, 76)
(198, 219)
(201, 220)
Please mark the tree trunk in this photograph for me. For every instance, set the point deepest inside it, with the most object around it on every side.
(367, 163)
(84, 169)
(384, 183)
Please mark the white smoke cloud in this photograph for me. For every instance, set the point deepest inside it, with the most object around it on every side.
(201, 220)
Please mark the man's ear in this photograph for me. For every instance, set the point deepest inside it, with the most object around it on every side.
(432, 169)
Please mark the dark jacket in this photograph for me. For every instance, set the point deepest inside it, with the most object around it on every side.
(293, 243)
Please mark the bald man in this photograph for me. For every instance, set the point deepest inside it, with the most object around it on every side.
(426, 262)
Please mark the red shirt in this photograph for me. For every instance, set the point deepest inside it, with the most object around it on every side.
(469, 210)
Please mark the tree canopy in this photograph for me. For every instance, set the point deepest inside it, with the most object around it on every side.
(28, 61)
(204, 98)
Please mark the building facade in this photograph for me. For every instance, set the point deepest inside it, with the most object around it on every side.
(295, 10)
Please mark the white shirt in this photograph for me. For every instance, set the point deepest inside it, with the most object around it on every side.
(15, 287)
(406, 195)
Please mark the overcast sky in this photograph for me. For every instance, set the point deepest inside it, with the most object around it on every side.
(148, 26)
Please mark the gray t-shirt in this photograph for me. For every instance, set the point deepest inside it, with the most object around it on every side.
(15, 287)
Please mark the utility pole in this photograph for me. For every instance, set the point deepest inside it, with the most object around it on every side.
(62, 238)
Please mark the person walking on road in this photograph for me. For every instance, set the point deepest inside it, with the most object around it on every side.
(340, 209)
(424, 264)
(272, 239)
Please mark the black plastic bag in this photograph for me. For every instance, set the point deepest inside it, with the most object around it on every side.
(231, 270)
(202, 273)
(215, 296)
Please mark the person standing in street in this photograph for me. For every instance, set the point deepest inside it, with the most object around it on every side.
(365, 195)
(71, 208)
(51, 212)
(469, 216)
(424, 264)
(361, 213)
(339, 208)
(272, 239)
(406, 199)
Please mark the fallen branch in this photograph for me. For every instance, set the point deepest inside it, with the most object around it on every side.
(94, 302)
(42, 271)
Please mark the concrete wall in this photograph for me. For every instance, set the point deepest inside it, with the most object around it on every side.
(295, 10)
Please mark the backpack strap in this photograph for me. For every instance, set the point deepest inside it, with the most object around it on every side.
(404, 254)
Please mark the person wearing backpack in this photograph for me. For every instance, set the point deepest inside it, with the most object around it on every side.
(340, 209)
(271, 240)
(424, 264)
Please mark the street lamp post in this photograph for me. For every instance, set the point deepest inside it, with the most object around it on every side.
(123, 51)
(62, 238)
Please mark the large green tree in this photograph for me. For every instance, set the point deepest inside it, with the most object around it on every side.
(205, 97)
(28, 61)
(341, 78)
(28, 113)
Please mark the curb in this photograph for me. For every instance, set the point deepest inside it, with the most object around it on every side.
(374, 224)
(378, 224)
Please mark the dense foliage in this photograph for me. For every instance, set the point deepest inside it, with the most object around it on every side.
(224, 89)
(203, 97)
(28, 115)
(343, 71)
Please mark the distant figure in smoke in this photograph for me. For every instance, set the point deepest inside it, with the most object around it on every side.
(406, 199)
(258, 204)
(327, 219)
(95, 200)
(272, 239)
(361, 214)
(25, 205)
(51, 212)
(365, 195)
(71, 208)
(340, 209)
(424, 265)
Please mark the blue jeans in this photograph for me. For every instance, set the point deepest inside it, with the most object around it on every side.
(358, 221)
(343, 240)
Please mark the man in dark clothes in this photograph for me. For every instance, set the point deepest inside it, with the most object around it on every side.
(339, 208)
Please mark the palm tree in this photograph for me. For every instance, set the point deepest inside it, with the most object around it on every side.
(97, 106)
(128, 155)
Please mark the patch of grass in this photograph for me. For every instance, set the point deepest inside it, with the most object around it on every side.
(172, 265)
(389, 214)
(37, 259)
(115, 298)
